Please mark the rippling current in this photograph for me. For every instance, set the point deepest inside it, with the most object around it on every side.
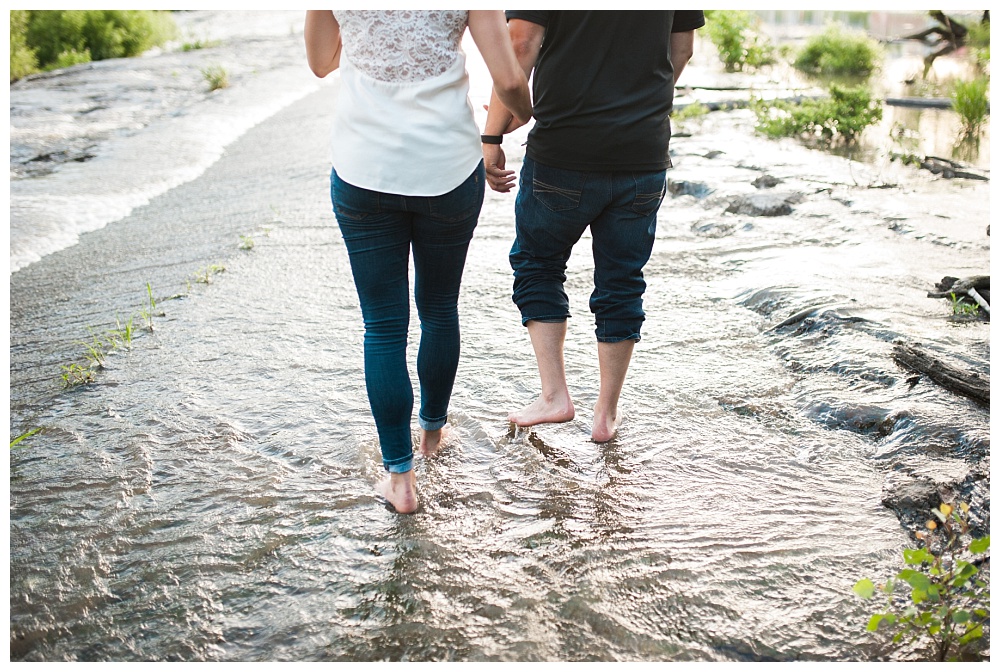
(210, 495)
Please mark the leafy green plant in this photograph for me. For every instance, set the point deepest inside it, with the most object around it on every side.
(25, 436)
(122, 334)
(196, 44)
(74, 374)
(216, 76)
(840, 118)
(95, 352)
(246, 242)
(695, 110)
(276, 218)
(734, 34)
(204, 275)
(961, 307)
(837, 52)
(148, 311)
(939, 598)
(971, 102)
(978, 40)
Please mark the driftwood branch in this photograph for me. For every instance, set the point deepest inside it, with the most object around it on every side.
(950, 285)
(969, 384)
(983, 303)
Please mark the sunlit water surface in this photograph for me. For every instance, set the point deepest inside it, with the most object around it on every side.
(210, 496)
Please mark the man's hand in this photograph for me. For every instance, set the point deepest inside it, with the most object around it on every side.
(497, 176)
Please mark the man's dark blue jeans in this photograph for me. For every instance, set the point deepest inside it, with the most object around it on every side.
(554, 206)
(379, 230)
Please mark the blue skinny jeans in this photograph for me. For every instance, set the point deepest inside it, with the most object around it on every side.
(379, 231)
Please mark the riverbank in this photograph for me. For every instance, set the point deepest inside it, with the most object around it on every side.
(209, 495)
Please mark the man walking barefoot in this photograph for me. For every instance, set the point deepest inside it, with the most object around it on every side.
(597, 157)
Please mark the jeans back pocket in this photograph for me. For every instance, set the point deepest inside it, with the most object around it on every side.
(557, 189)
(650, 188)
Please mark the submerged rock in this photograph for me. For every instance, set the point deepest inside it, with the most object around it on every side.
(684, 188)
(912, 496)
(764, 204)
(766, 182)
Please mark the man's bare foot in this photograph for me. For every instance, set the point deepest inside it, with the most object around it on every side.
(542, 410)
(605, 425)
(432, 441)
(400, 490)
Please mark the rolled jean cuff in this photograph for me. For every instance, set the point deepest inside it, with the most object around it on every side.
(616, 331)
(431, 425)
(549, 319)
(399, 467)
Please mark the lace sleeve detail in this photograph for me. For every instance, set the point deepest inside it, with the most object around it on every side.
(402, 45)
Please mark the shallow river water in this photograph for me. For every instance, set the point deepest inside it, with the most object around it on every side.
(209, 496)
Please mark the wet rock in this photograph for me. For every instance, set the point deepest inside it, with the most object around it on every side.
(912, 496)
(905, 491)
(684, 188)
(713, 229)
(764, 204)
(869, 420)
(766, 182)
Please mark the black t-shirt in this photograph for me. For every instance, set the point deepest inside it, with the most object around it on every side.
(603, 88)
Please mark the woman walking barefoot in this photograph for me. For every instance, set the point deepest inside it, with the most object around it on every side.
(408, 175)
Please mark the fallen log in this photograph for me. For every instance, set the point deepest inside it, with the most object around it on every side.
(969, 384)
(950, 285)
(976, 287)
(926, 103)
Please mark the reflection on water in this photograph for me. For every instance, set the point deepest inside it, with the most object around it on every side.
(920, 131)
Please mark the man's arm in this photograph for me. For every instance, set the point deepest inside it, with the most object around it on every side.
(527, 40)
(681, 50)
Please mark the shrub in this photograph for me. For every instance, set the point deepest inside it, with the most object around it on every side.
(733, 32)
(835, 52)
(22, 57)
(65, 37)
(971, 101)
(841, 118)
(944, 601)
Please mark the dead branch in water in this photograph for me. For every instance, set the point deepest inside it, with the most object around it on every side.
(969, 384)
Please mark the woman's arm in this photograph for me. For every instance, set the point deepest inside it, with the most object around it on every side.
(489, 31)
(323, 45)
(526, 38)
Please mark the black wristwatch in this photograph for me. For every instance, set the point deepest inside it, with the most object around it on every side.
(491, 139)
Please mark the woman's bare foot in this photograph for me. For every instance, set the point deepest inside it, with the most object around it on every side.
(400, 490)
(558, 409)
(432, 441)
(606, 425)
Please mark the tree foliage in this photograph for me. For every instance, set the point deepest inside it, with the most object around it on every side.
(58, 38)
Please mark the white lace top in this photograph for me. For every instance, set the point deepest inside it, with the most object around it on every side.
(403, 122)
